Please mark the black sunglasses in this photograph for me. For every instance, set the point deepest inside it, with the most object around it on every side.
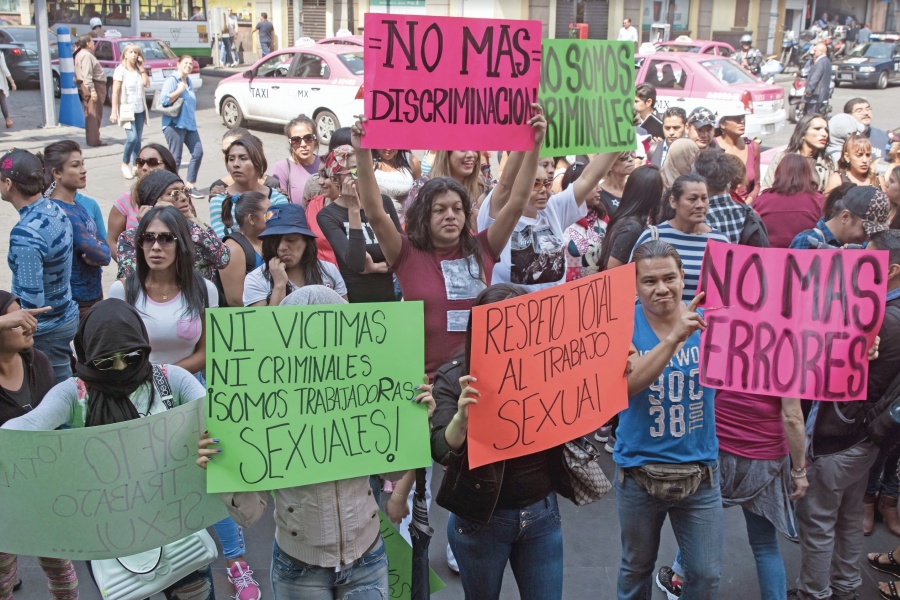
(105, 364)
(308, 139)
(163, 239)
(150, 162)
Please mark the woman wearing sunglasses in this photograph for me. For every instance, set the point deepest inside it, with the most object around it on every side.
(535, 258)
(613, 185)
(345, 226)
(303, 160)
(290, 260)
(246, 164)
(113, 383)
(25, 378)
(162, 188)
(128, 212)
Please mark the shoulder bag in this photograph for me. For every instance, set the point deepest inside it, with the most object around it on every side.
(147, 573)
(172, 110)
(581, 479)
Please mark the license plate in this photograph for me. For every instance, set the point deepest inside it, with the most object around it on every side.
(845, 77)
(770, 128)
(168, 72)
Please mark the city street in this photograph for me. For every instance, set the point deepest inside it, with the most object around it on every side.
(591, 534)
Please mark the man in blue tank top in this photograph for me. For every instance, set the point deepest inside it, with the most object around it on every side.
(666, 447)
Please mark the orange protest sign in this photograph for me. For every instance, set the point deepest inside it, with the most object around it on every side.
(550, 365)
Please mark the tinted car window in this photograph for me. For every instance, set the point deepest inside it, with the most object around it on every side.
(666, 75)
(311, 66)
(276, 66)
(103, 51)
(152, 49)
(877, 50)
(353, 61)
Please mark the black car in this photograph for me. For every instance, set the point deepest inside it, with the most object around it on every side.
(20, 49)
(875, 63)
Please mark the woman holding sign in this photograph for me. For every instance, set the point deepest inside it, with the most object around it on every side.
(25, 378)
(114, 382)
(504, 512)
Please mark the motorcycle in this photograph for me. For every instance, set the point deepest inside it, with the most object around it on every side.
(794, 49)
(797, 93)
(770, 69)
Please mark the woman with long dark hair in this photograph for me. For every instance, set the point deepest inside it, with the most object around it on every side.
(290, 260)
(66, 175)
(489, 529)
(394, 174)
(584, 238)
(167, 189)
(114, 382)
(244, 246)
(792, 204)
(246, 164)
(640, 203)
(809, 140)
(25, 378)
(128, 212)
(348, 232)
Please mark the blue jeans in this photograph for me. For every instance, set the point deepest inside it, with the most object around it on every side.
(176, 138)
(265, 46)
(530, 539)
(56, 344)
(228, 54)
(133, 138)
(231, 536)
(365, 579)
(883, 474)
(698, 525)
(769, 565)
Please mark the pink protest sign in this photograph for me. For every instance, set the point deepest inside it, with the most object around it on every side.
(450, 83)
(794, 323)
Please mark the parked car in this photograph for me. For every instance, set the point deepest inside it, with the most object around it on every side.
(20, 49)
(346, 40)
(690, 80)
(696, 46)
(324, 81)
(875, 63)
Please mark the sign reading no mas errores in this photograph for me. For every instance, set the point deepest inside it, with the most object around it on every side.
(794, 323)
(307, 394)
(550, 365)
(450, 83)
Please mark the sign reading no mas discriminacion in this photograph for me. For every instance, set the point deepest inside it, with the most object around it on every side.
(587, 90)
(104, 492)
(794, 323)
(450, 83)
(306, 394)
(550, 365)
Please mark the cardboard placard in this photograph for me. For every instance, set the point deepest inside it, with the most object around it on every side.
(794, 323)
(306, 394)
(450, 83)
(550, 365)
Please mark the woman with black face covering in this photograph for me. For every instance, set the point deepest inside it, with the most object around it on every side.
(113, 382)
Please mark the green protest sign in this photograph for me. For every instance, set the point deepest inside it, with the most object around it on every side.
(305, 394)
(107, 491)
(399, 554)
(587, 90)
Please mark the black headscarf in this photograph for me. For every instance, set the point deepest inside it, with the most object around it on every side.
(109, 327)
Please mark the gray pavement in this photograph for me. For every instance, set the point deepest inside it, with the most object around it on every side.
(591, 533)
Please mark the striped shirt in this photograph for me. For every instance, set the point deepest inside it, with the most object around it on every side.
(40, 258)
(690, 246)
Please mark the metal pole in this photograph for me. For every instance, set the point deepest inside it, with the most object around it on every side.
(46, 75)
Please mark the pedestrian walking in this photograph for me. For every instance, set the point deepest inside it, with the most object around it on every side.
(6, 85)
(181, 130)
(129, 104)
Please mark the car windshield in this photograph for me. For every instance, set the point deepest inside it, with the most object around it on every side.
(678, 48)
(353, 61)
(879, 50)
(727, 72)
(152, 49)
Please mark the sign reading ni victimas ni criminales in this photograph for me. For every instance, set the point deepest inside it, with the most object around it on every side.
(306, 394)
(550, 365)
(794, 323)
(450, 83)
(107, 491)
(587, 90)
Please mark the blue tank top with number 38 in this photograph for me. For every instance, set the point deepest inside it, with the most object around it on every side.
(673, 420)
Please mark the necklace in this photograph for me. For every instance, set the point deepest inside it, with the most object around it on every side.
(165, 295)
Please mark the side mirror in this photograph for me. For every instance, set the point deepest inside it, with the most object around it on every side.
(248, 74)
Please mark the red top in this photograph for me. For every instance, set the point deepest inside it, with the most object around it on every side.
(326, 252)
(750, 425)
(786, 216)
(447, 283)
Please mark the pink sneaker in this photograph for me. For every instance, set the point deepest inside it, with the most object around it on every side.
(245, 587)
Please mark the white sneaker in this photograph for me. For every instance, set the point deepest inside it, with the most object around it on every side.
(127, 172)
(451, 560)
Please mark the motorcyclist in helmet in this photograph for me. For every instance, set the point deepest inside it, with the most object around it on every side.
(749, 57)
